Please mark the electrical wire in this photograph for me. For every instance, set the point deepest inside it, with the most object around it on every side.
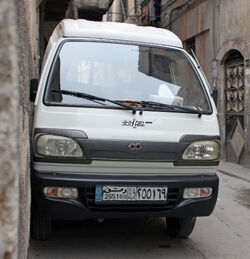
(170, 2)
(122, 14)
(169, 25)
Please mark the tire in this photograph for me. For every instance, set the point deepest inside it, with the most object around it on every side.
(40, 228)
(180, 227)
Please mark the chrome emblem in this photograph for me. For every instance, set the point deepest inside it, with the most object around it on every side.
(134, 146)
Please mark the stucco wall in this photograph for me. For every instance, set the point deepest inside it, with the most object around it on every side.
(232, 32)
(18, 63)
(9, 97)
(194, 21)
(27, 28)
(225, 26)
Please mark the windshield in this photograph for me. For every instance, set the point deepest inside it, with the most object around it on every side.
(124, 73)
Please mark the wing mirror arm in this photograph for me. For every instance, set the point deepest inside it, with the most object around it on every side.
(33, 89)
(214, 94)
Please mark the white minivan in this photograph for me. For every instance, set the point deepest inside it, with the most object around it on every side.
(124, 126)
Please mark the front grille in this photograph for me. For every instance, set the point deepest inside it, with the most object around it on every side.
(173, 198)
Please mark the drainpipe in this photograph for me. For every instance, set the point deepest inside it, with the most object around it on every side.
(123, 10)
(74, 10)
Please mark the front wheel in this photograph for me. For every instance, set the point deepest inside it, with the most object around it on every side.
(40, 227)
(180, 227)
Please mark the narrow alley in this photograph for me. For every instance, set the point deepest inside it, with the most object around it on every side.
(225, 234)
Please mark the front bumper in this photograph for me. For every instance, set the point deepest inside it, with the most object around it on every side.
(84, 207)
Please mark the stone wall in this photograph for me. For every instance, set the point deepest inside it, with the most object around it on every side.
(27, 28)
(9, 99)
(18, 63)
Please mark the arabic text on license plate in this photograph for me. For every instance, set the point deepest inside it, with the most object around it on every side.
(130, 193)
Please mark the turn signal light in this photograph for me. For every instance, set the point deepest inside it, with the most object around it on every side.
(61, 192)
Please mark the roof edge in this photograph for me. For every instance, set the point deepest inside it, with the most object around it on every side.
(113, 30)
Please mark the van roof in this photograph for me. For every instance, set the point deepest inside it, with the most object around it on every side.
(112, 30)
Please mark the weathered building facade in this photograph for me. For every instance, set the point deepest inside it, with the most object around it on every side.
(18, 55)
(218, 32)
(124, 11)
(52, 12)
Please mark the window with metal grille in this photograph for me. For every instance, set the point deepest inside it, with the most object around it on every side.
(234, 77)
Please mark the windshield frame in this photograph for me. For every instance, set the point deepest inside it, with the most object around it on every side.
(123, 42)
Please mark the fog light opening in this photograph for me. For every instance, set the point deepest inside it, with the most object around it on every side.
(61, 192)
(190, 193)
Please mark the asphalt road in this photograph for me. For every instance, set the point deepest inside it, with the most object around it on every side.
(225, 234)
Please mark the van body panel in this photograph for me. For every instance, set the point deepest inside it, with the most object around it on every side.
(124, 168)
(108, 124)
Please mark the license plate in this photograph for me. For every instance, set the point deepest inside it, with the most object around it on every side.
(110, 193)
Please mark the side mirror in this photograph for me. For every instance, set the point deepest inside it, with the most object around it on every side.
(214, 94)
(33, 89)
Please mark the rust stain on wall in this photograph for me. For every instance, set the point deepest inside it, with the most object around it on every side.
(199, 22)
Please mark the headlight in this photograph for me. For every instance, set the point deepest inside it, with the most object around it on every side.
(51, 145)
(201, 192)
(202, 150)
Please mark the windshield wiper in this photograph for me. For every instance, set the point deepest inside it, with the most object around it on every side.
(191, 110)
(157, 105)
(94, 98)
(150, 105)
